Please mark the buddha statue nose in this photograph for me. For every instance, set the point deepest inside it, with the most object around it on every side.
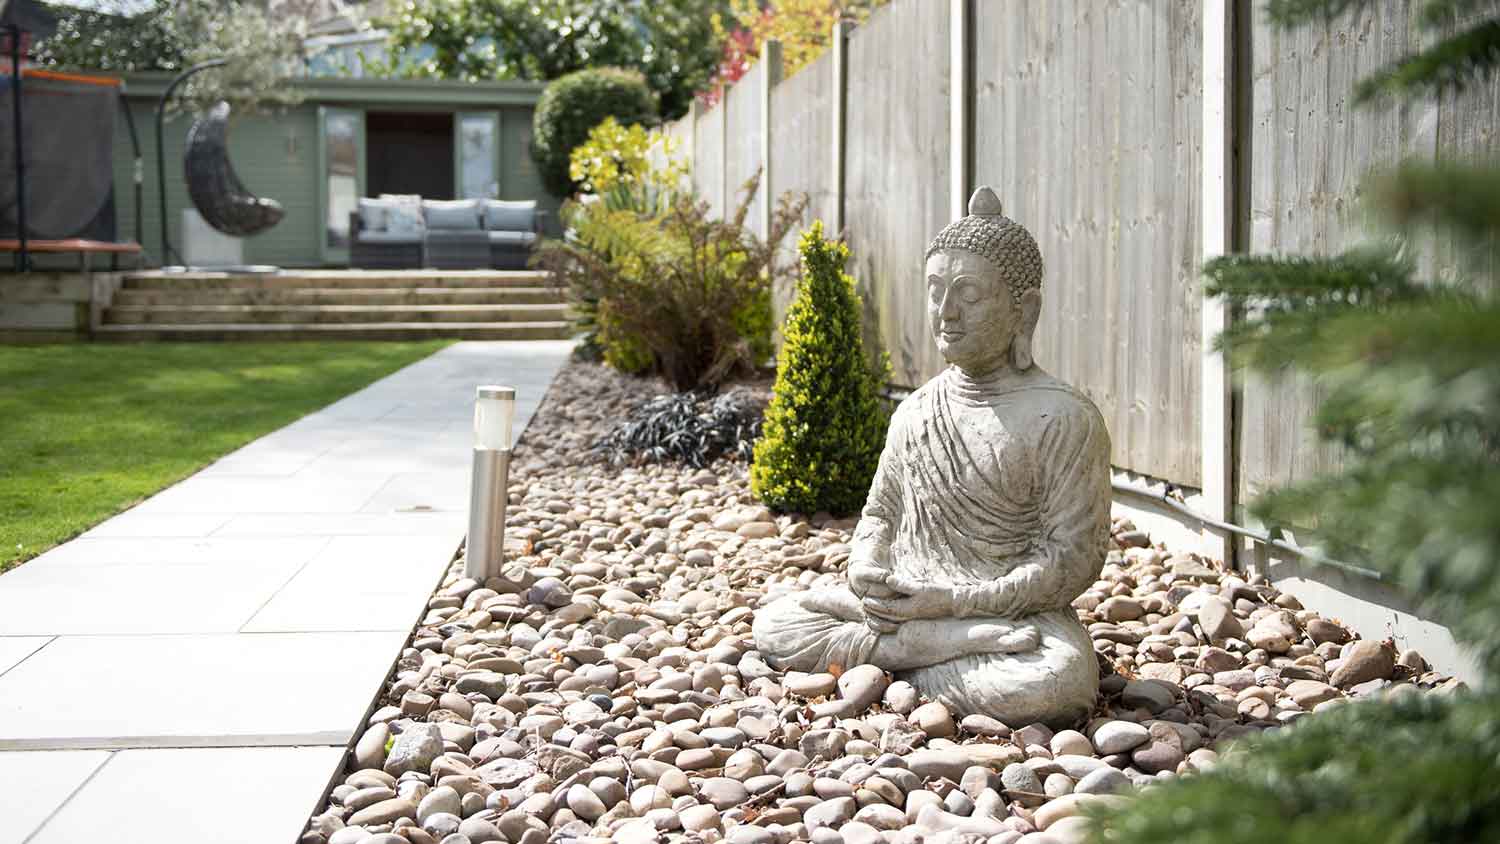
(949, 309)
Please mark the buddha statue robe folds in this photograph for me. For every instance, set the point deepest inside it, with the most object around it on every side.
(988, 515)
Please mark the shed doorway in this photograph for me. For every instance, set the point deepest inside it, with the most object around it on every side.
(409, 152)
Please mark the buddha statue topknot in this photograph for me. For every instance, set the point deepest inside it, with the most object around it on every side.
(988, 515)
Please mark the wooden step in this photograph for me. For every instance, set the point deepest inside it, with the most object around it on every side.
(338, 331)
(356, 279)
(334, 314)
(132, 297)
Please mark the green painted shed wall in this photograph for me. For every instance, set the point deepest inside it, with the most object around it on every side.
(274, 156)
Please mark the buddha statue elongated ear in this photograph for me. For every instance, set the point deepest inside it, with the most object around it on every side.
(1020, 347)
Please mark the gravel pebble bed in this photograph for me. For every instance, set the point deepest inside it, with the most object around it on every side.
(607, 687)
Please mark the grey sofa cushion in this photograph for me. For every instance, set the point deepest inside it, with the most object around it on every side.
(374, 214)
(403, 214)
(454, 214)
(516, 239)
(513, 216)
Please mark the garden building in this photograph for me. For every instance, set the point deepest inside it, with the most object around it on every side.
(348, 138)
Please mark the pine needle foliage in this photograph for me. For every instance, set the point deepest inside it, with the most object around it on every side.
(1466, 50)
(1409, 370)
(1421, 769)
(1411, 381)
(826, 423)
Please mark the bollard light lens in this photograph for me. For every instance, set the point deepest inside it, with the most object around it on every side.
(494, 409)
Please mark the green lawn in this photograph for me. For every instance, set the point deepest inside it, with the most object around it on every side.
(87, 430)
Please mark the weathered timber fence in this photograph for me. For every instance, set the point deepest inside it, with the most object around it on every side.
(1135, 139)
(1087, 120)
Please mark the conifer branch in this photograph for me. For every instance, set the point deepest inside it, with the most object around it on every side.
(1450, 65)
(1289, 13)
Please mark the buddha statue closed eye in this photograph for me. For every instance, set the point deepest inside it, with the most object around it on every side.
(988, 515)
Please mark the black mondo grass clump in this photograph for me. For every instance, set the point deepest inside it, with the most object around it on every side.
(695, 428)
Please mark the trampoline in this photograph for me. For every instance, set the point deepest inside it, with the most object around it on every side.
(56, 152)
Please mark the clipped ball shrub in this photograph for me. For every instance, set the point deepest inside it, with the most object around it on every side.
(826, 423)
(574, 104)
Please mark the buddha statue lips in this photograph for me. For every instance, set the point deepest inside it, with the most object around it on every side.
(988, 515)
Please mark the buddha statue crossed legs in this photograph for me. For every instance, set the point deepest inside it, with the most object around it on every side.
(988, 515)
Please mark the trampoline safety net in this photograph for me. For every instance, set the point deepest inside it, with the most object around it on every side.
(67, 134)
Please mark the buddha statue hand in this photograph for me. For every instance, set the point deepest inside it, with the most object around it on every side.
(913, 600)
(867, 579)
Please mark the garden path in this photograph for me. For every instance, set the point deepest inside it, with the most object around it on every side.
(192, 669)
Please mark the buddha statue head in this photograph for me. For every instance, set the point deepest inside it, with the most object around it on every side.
(984, 277)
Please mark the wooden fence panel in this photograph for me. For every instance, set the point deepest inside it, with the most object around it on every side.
(680, 134)
(1088, 125)
(1087, 122)
(742, 150)
(708, 157)
(802, 145)
(897, 167)
(1309, 149)
(1467, 126)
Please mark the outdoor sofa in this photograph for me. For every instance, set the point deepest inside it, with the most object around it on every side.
(408, 232)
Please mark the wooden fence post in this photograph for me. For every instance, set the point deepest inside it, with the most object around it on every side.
(841, 31)
(726, 198)
(960, 106)
(695, 113)
(1218, 229)
(770, 54)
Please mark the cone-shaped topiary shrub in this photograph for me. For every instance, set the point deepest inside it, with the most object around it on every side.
(826, 423)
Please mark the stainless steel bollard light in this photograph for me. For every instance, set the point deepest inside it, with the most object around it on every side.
(494, 409)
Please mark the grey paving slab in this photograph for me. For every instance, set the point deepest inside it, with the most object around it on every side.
(345, 524)
(137, 586)
(14, 649)
(89, 552)
(135, 523)
(134, 600)
(372, 455)
(356, 408)
(301, 611)
(226, 493)
(422, 491)
(231, 689)
(192, 796)
(252, 464)
(393, 430)
(35, 784)
(381, 583)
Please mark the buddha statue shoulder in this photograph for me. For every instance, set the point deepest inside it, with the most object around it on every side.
(987, 516)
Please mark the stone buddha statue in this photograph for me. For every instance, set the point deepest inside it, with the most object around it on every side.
(988, 515)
